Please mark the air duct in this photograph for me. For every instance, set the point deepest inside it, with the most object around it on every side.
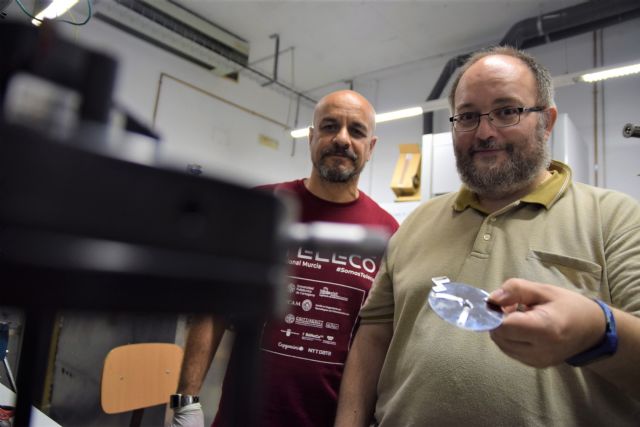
(546, 28)
(172, 28)
(168, 26)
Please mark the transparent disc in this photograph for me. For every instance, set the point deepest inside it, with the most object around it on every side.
(464, 306)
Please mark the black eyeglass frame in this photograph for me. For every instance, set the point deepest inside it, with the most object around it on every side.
(520, 110)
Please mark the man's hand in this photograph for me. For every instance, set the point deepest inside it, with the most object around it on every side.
(188, 416)
(545, 324)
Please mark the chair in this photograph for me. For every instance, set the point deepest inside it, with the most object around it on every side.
(138, 376)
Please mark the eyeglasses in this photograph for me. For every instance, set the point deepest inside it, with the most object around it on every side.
(500, 117)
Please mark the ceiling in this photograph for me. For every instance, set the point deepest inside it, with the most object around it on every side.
(327, 42)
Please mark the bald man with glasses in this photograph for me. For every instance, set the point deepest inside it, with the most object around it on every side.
(560, 260)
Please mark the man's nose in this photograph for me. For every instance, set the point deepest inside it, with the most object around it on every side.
(342, 137)
(485, 128)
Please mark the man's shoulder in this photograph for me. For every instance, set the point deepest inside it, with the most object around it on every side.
(432, 209)
(296, 186)
(441, 201)
(374, 209)
(612, 205)
(603, 195)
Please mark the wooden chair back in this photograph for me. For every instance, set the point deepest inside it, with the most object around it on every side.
(138, 376)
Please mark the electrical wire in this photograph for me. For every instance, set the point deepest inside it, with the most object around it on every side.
(89, 9)
(75, 30)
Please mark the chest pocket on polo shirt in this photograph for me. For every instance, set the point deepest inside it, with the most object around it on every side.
(581, 273)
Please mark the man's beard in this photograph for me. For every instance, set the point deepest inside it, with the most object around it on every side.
(522, 167)
(331, 172)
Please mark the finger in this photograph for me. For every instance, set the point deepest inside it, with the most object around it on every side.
(521, 291)
(529, 325)
(511, 346)
(521, 347)
(511, 308)
(516, 348)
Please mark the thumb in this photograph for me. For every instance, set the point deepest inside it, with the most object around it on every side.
(521, 292)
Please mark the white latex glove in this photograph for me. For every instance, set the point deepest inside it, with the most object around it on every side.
(188, 416)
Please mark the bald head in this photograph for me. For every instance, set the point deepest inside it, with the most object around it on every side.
(348, 99)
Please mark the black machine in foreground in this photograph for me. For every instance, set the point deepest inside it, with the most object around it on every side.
(82, 230)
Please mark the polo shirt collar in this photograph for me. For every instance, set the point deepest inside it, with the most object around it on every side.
(546, 194)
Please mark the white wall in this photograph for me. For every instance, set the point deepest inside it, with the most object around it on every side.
(188, 120)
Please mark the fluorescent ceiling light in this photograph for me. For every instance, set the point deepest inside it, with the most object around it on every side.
(399, 114)
(300, 133)
(596, 74)
(55, 9)
(380, 118)
(610, 73)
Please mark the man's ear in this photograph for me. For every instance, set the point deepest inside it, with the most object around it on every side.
(550, 116)
(310, 136)
(372, 145)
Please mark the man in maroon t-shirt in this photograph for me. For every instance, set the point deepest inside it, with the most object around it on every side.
(303, 352)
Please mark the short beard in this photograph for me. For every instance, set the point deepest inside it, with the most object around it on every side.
(333, 173)
(516, 174)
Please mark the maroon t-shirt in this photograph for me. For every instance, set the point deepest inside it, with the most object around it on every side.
(303, 352)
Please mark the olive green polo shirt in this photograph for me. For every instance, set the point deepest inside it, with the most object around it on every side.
(566, 234)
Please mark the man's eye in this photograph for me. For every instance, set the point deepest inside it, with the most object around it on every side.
(507, 112)
(467, 117)
(328, 127)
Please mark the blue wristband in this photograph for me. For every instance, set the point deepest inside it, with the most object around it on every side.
(605, 348)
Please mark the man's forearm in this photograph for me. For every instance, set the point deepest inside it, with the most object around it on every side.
(203, 338)
(358, 388)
